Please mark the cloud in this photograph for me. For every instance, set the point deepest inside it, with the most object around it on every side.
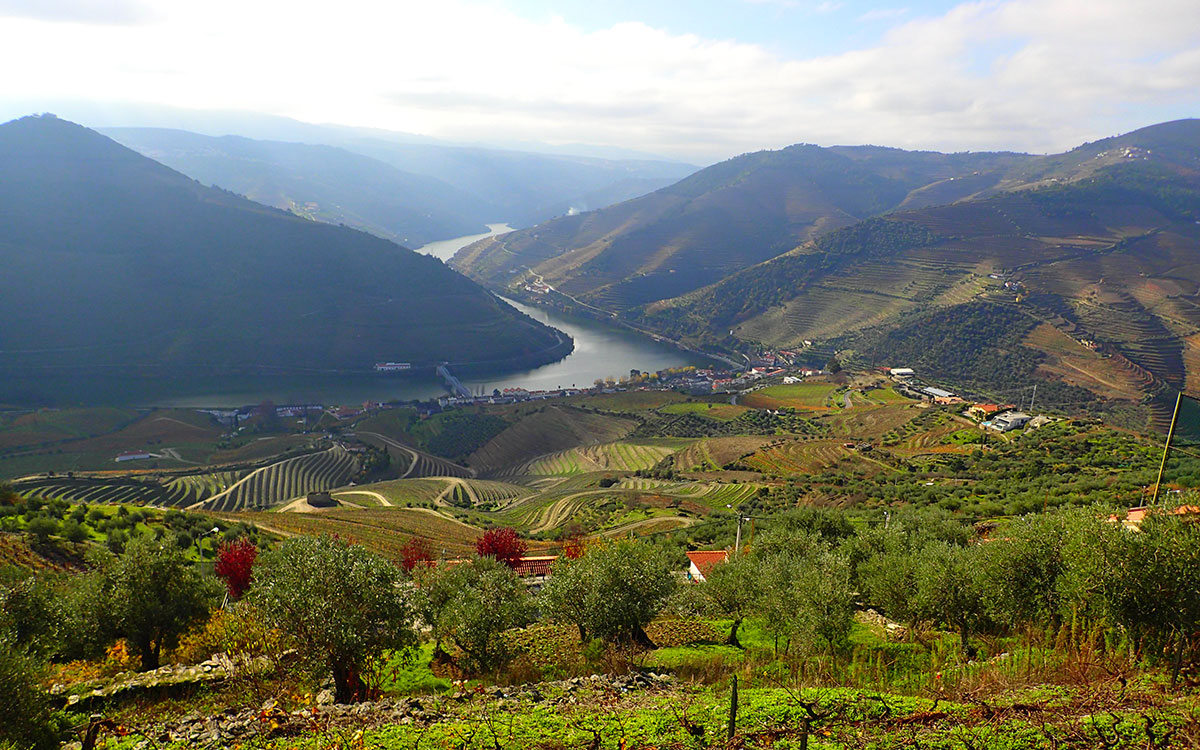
(883, 14)
(1035, 75)
(78, 11)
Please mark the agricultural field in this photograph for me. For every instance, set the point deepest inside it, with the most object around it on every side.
(548, 430)
(31, 429)
(383, 530)
(619, 456)
(802, 457)
(279, 482)
(722, 411)
(812, 396)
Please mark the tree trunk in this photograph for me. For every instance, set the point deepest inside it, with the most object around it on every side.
(640, 638)
(148, 653)
(347, 685)
(582, 633)
(963, 634)
(733, 639)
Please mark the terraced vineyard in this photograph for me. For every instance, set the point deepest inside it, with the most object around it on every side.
(619, 456)
(116, 490)
(798, 457)
(282, 481)
(383, 530)
(405, 492)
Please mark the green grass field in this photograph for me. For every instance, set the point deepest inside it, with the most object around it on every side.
(723, 412)
(796, 396)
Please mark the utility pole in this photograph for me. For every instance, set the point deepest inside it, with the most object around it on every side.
(1166, 447)
(1031, 398)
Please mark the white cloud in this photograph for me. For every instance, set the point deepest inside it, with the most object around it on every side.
(1018, 74)
(883, 14)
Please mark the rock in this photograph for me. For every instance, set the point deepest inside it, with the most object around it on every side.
(269, 704)
(325, 698)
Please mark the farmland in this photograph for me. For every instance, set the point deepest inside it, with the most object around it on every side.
(813, 396)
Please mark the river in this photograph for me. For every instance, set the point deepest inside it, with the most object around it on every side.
(601, 351)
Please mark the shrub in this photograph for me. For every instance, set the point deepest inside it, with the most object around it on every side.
(235, 562)
(504, 545)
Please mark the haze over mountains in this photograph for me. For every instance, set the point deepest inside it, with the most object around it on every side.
(1099, 245)
(117, 265)
(412, 192)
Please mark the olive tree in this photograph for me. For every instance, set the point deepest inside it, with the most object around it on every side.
(151, 595)
(612, 592)
(488, 598)
(343, 605)
(950, 588)
(734, 587)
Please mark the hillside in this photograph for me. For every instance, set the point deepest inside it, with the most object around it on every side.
(526, 187)
(120, 269)
(722, 219)
(1088, 276)
(320, 182)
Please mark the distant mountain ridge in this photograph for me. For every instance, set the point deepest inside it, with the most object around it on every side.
(717, 221)
(320, 182)
(996, 271)
(1079, 270)
(411, 192)
(116, 264)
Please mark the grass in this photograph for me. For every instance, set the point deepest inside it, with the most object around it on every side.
(796, 396)
(723, 412)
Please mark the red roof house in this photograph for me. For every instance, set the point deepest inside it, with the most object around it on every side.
(702, 561)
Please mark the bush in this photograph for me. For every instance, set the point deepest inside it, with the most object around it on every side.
(26, 720)
(504, 545)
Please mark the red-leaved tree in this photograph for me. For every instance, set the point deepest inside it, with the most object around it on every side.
(235, 561)
(503, 544)
(416, 551)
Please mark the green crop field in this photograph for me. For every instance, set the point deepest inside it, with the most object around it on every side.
(796, 396)
(719, 411)
(619, 456)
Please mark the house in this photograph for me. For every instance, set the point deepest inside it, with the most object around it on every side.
(1135, 516)
(703, 561)
(535, 567)
(900, 373)
(982, 411)
(134, 456)
(936, 393)
(1008, 421)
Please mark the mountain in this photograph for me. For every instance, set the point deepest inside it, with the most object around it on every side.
(527, 187)
(724, 218)
(117, 266)
(321, 182)
(1080, 271)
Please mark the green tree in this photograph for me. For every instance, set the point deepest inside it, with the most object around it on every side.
(41, 529)
(488, 599)
(950, 588)
(620, 586)
(26, 719)
(734, 587)
(341, 603)
(154, 595)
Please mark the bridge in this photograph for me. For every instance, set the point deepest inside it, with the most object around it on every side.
(453, 384)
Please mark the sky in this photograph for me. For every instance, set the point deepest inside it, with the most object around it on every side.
(700, 80)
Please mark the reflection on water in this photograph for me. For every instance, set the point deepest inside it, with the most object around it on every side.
(445, 249)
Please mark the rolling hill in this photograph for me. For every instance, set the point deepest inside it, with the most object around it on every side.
(321, 182)
(722, 219)
(120, 268)
(1082, 269)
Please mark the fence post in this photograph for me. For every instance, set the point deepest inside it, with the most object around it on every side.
(733, 708)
